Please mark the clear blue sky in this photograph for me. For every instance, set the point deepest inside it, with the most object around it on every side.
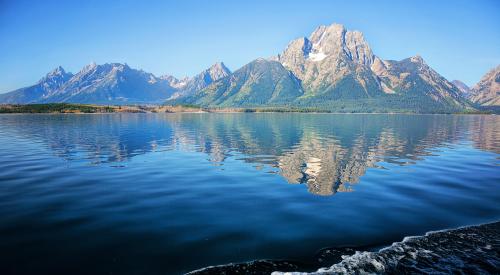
(460, 39)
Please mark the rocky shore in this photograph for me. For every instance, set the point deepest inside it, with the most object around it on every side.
(466, 250)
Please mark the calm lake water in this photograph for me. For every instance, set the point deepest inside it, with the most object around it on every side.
(169, 193)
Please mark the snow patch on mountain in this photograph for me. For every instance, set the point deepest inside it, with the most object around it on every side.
(317, 56)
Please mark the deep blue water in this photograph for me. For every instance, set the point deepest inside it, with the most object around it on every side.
(169, 193)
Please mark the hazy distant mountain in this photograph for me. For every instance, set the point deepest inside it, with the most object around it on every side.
(336, 69)
(112, 84)
(487, 91)
(462, 87)
(101, 84)
(43, 89)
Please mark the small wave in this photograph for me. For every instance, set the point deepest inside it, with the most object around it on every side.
(253, 267)
(466, 250)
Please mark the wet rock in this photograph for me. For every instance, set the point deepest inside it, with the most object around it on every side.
(329, 256)
(253, 267)
(467, 250)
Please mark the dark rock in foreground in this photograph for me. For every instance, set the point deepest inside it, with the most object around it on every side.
(253, 267)
(467, 250)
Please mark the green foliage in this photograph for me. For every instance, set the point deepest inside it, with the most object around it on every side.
(189, 105)
(55, 108)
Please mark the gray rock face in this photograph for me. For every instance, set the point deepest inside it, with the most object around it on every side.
(413, 77)
(487, 91)
(330, 54)
(462, 87)
(189, 86)
(333, 54)
(333, 66)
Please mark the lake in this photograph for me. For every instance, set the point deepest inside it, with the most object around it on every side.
(170, 193)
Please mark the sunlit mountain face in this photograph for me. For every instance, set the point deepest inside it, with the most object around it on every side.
(326, 153)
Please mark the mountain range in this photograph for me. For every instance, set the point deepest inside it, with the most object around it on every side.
(332, 69)
(112, 83)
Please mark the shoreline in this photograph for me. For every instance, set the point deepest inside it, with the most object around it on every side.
(195, 112)
(74, 108)
(470, 249)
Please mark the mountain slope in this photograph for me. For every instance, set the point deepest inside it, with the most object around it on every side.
(331, 55)
(466, 90)
(44, 88)
(189, 86)
(413, 78)
(335, 69)
(112, 84)
(97, 84)
(332, 69)
(261, 82)
(487, 91)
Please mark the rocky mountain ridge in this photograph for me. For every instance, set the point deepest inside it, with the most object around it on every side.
(111, 83)
(332, 69)
(336, 70)
(487, 91)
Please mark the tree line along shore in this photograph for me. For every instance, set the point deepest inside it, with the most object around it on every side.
(74, 108)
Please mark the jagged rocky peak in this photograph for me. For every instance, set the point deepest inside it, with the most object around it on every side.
(188, 86)
(295, 53)
(214, 73)
(414, 64)
(172, 80)
(58, 72)
(336, 39)
(358, 48)
(89, 67)
(327, 42)
(487, 91)
(115, 67)
(328, 38)
(97, 71)
(218, 71)
(55, 78)
(417, 59)
(175, 82)
(112, 74)
(330, 54)
(105, 67)
(491, 77)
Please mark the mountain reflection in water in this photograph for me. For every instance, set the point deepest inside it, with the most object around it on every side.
(326, 152)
